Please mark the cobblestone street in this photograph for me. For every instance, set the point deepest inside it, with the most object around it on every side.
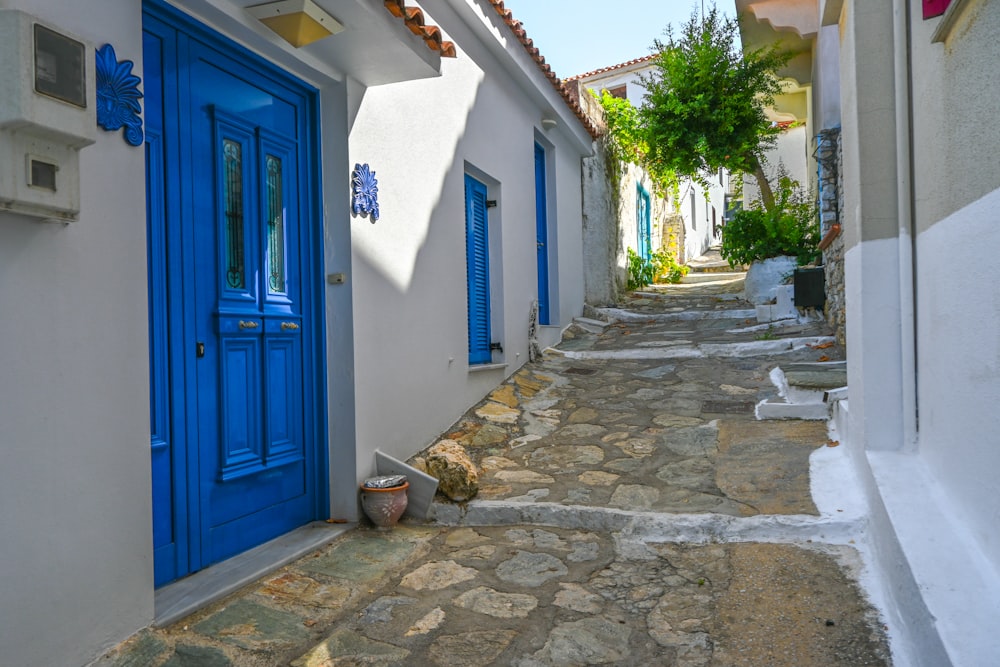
(632, 511)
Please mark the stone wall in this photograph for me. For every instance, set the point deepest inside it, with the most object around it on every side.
(603, 265)
(830, 156)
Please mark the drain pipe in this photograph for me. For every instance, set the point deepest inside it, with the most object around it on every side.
(902, 61)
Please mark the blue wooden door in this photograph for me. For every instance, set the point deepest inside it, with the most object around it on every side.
(232, 166)
(541, 235)
(643, 223)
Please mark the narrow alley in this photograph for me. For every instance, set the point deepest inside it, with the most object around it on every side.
(632, 510)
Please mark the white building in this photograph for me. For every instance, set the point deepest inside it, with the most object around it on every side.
(207, 348)
(900, 92)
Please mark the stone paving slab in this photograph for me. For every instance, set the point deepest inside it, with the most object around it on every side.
(531, 596)
(675, 437)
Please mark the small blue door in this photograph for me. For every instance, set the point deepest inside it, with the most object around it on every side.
(643, 223)
(230, 174)
(541, 235)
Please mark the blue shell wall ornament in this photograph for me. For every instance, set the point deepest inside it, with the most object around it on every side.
(364, 192)
(118, 95)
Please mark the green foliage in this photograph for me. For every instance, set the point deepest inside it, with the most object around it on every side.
(623, 127)
(660, 268)
(666, 269)
(704, 104)
(626, 143)
(790, 227)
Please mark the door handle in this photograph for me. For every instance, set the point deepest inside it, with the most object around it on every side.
(289, 326)
(244, 324)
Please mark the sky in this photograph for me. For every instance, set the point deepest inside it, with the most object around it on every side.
(578, 36)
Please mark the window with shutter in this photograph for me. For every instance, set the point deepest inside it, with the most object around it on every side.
(478, 270)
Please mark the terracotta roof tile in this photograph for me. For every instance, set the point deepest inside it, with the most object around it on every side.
(612, 68)
(413, 17)
(518, 29)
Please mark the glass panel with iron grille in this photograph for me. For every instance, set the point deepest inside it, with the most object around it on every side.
(232, 178)
(275, 226)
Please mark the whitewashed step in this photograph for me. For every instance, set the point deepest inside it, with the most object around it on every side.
(715, 276)
(591, 325)
(779, 409)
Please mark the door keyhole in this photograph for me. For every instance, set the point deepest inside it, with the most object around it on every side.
(199, 349)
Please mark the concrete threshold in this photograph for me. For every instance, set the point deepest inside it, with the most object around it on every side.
(181, 598)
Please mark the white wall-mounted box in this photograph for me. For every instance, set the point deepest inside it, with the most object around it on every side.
(47, 114)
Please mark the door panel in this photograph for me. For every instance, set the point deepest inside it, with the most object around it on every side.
(236, 263)
(238, 298)
(541, 235)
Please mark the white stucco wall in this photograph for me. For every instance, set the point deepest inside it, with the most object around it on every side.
(409, 268)
(957, 191)
(791, 153)
(959, 361)
(934, 493)
(76, 553)
(631, 78)
(826, 79)
(696, 209)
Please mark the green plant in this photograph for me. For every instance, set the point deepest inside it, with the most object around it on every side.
(625, 143)
(661, 267)
(640, 271)
(705, 102)
(789, 227)
(767, 335)
(666, 269)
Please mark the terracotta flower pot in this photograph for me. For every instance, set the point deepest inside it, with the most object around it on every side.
(384, 506)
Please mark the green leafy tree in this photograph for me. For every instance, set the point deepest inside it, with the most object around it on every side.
(705, 101)
(626, 142)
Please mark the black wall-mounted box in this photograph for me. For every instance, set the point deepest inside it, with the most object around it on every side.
(810, 290)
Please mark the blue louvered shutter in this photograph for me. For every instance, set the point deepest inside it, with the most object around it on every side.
(478, 268)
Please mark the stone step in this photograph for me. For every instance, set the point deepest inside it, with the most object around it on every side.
(590, 325)
(780, 409)
(714, 267)
(823, 376)
(712, 276)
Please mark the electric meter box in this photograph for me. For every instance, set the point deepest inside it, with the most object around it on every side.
(47, 114)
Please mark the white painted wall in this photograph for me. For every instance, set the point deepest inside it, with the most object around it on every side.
(826, 79)
(791, 152)
(935, 502)
(409, 268)
(630, 77)
(697, 210)
(76, 554)
(957, 185)
(959, 361)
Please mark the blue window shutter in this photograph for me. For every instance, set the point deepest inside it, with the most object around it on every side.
(478, 268)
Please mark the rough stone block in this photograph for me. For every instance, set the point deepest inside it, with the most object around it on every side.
(457, 475)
